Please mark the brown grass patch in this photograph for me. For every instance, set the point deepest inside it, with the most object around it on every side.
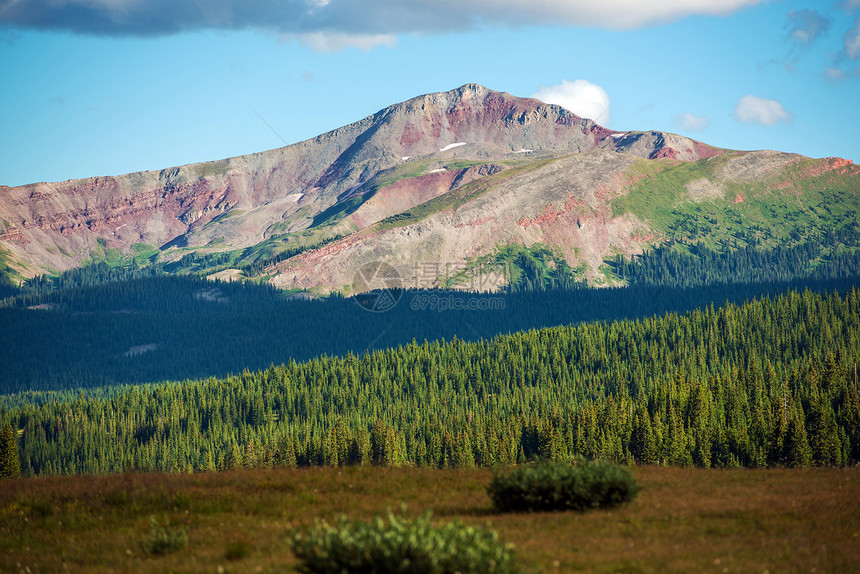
(683, 519)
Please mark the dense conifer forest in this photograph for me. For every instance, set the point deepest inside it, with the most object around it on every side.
(693, 265)
(769, 382)
(745, 357)
(102, 325)
(174, 328)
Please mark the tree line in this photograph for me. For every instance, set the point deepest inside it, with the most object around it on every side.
(178, 327)
(691, 265)
(769, 382)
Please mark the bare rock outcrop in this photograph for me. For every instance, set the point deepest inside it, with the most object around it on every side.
(239, 202)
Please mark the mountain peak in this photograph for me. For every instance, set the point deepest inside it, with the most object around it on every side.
(472, 87)
(242, 201)
(470, 122)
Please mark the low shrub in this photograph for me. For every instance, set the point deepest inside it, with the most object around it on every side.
(400, 545)
(237, 549)
(561, 486)
(164, 539)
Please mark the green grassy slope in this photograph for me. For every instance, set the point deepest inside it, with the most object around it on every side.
(782, 208)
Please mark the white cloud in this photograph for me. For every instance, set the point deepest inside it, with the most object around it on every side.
(356, 18)
(693, 123)
(581, 97)
(852, 41)
(336, 41)
(754, 110)
(614, 14)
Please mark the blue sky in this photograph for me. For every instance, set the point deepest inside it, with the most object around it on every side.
(104, 87)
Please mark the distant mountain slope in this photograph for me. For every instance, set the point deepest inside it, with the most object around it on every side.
(442, 179)
(594, 205)
(238, 202)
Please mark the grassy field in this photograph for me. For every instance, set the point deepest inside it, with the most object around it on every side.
(784, 208)
(684, 520)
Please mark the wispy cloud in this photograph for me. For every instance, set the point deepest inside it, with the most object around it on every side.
(693, 123)
(328, 24)
(338, 41)
(581, 97)
(806, 26)
(851, 41)
(838, 74)
(834, 74)
(754, 110)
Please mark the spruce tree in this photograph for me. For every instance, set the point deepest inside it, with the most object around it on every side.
(234, 458)
(208, 464)
(249, 457)
(823, 434)
(10, 465)
(797, 451)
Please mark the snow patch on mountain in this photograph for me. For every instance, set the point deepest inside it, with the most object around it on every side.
(452, 146)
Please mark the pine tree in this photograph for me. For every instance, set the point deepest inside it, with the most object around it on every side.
(823, 434)
(249, 457)
(359, 448)
(643, 445)
(10, 464)
(330, 450)
(797, 451)
(702, 425)
(850, 420)
(463, 457)
(208, 463)
(392, 453)
(286, 453)
(383, 445)
(342, 438)
(550, 445)
(234, 458)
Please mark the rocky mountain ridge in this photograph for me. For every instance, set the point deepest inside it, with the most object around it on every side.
(461, 171)
(236, 202)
